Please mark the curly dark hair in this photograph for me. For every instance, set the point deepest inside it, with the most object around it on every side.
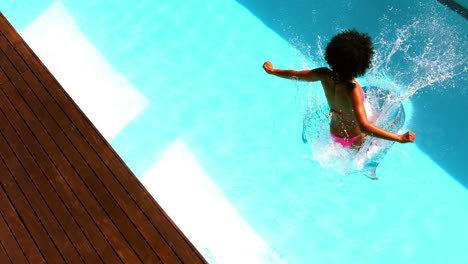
(349, 54)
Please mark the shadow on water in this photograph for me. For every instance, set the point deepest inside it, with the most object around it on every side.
(305, 19)
(437, 120)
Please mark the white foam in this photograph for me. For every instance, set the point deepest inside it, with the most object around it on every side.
(106, 97)
(200, 210)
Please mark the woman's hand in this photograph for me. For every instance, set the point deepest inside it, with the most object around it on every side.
(407, 137)
(268, 67)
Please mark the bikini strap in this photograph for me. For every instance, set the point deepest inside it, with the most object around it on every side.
(340, 116)
(334, 77)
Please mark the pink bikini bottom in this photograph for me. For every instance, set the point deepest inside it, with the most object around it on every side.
(346, 142)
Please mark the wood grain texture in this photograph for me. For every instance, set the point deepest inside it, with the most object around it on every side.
(65, 194)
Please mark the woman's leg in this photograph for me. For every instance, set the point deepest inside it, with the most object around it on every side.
(358, 142)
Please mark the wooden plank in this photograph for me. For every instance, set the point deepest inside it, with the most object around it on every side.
(72, 229)
(3, 78)
(41, 218)
(12, 248)
(22, 206)
(17, 227)
(27, 168)
(151, 234)
(89, 173)
(118, 192)
(12, 55)
(106, 164)
(124, 225)
(89, 227)
(88, 133)
(9, 70)
(122, 248)
(3, 255)
(6, 27)
(53, 201)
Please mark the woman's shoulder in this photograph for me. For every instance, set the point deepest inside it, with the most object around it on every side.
(355, 90)
(354, 84)
(350, 85)
(324, 72)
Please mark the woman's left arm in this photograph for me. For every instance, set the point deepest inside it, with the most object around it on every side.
(306, 75)
(368, 127)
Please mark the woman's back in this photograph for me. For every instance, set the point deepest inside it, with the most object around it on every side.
(343, 121)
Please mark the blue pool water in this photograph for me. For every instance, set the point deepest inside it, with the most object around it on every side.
(192, 76)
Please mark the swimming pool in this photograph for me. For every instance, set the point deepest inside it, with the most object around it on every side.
(192, 112)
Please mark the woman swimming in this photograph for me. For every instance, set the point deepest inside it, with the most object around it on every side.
(349, 54)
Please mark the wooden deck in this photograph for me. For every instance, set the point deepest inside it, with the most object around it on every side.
(65, 195)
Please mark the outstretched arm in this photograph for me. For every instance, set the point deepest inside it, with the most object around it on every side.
(371, 129)
(306, 75)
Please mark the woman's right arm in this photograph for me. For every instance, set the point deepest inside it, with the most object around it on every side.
(305, 75)
(368, 127)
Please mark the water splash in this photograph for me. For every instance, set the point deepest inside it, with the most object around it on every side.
(421, 56)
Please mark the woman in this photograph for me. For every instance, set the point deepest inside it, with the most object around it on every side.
(349, 55)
